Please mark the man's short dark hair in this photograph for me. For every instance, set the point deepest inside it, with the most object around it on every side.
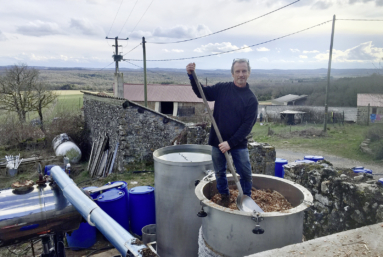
(240, 60)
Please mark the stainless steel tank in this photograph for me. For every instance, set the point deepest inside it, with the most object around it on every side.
(235, 234)
(176, 168)
(38, 211)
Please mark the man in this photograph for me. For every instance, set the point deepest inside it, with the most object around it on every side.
(235, 112)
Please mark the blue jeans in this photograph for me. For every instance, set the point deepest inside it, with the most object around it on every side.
(242, 164)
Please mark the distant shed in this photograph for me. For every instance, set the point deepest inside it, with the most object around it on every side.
(175, 100)
(290, 100)
(370, 108)
(289, 117)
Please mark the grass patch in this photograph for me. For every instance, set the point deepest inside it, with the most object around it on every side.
(342, 141)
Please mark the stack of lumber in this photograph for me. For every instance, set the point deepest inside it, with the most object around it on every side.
(102, 158)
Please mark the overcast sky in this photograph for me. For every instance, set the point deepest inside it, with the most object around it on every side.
(71, 33)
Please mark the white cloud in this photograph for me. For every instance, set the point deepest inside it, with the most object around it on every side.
(85, 26)
(310, 52)
(263, 49)
(303, 56)
(140, 34)
(364, 52)
(181, 31)
(221, 47)
(294, 50)
(2, 36)
(263, 59)
(173, 50)
(39, 29)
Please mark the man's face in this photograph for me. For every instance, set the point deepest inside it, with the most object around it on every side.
(241, 74)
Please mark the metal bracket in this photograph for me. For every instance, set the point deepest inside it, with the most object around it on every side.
(257, 218)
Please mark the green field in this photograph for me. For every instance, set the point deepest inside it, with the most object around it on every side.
(342, 141)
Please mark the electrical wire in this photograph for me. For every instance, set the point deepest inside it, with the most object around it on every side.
(141, 18)
(141, 68)
(357, 20)
(114, 18)
(106, 66)
(127, 18)
(208, 55)
(133, 48)
(186, 40)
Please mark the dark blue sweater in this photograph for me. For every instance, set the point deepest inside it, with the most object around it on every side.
(235, 112)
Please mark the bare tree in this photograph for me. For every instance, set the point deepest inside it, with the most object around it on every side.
(16, 89)
(41, 98)
(21, 91)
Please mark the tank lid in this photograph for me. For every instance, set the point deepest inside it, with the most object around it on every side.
(88, 188)
(111, 195)
(141, 190)
(280, 160)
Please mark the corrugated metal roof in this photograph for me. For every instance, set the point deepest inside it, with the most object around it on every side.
(372, 99)
(162, 93)
(289, 98)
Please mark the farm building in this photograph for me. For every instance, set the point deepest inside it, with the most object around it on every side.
(174, 100)
(370, 108)
(290, 100)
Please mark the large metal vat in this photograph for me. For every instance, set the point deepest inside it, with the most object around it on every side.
(38, 211)
(176, 168)
(230, 232)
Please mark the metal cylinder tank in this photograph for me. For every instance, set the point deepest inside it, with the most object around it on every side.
(64, 146)
(37, 211)
(176, 168)
(234, 233)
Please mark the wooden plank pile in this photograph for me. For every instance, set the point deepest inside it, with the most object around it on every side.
(102, 158)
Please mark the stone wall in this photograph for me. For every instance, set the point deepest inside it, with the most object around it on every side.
(365, 117)
(273, 111)
(262, 158)
(343, 200)
(138, 130)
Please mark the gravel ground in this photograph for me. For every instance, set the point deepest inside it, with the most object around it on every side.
(291, 156)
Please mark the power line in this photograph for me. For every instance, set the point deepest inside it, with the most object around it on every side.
(133, 48)
(115, 18)
(357, 20)
(127, 18)
(181, 41)
(141, 18)
(268, 41)
(106, 66)
(141, 67)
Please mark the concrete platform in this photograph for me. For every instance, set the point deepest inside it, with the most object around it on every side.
(364, 241)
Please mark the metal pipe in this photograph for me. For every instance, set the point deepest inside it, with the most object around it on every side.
(95, 216)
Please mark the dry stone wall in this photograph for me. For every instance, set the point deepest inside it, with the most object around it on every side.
(138, 130)
(343, 199)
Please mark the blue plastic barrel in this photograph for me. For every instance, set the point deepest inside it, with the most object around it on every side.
(142, 208)
(314, 158)
(124, 188)
(83, 237)
(114, 203)
(47, 169)
(279, 170)
(381, 180)
(361, 170)
(304, 161)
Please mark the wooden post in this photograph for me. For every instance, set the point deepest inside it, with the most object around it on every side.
(368, 115)
(328, 76)
(145, 83)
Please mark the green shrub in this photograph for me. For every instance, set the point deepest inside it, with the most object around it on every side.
(375, 133)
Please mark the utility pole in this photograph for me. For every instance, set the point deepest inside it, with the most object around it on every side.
(328, 76)
(118, 77)
(145, 83)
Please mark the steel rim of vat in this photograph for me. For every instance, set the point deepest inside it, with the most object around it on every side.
(206, 149)
(306, 203)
